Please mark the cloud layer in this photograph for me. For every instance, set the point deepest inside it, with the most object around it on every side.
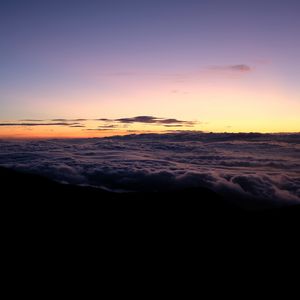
(246, 165)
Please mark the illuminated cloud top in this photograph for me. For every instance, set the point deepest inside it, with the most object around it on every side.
(251, 166)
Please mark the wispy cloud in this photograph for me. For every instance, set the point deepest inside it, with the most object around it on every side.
(103, 119)
(183, 76)
(107, 126)
(39, 124)
(31, 120)
(104, 123)
(153, 120)
(98, 129)
(79, 126)
(241, 68)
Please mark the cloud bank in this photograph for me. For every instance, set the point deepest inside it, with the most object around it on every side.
(250, 166)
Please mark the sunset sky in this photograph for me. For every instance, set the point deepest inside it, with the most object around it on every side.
(92, 68)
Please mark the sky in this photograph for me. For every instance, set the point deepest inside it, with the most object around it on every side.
(208, 65)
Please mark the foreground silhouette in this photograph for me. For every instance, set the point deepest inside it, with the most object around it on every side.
(44, 221)
(36, 197)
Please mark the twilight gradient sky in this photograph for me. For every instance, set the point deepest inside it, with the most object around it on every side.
(225, 65)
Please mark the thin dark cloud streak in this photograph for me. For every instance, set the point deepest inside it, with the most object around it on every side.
(38, 124)
(31, 120)
(240, 68)
(105, 123)
(137, 119)
(107, 126)
(203, 72)
(188, 75)
(179, 125)
(153, 120)
(98, 129)
(68, 120)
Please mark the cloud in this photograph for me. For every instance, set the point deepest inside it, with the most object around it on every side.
(97, 129)
(68, 120)
(104, 123)
(31, 120)
(244, 166)
(104, 127)
(139, 119)
(241, 68)
(39, 124)
(152, 120)
(107, 126)
(171, 121)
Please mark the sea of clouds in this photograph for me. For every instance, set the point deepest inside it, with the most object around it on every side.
(250, 165)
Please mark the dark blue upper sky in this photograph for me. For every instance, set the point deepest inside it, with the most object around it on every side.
(214, 31)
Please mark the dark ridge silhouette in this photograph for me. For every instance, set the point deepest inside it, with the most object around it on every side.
(52, 222)
(33, 195)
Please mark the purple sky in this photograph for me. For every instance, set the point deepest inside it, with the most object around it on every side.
(98, 58)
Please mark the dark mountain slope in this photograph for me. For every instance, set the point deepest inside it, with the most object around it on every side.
(51, 222)
(37, 195)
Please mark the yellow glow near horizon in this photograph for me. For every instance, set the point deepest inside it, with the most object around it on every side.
(215, 102)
